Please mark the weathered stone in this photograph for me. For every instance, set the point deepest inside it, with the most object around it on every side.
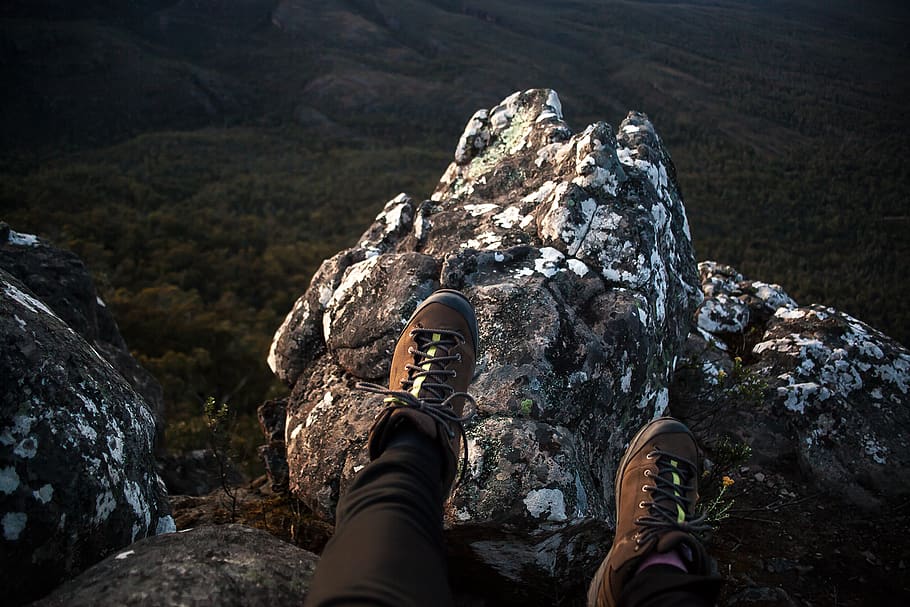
(77, 472)
(273, 421)
(826, 389)
(274, 458)
(60, 280)
(213, 565)
(575, 251)
(272, 415)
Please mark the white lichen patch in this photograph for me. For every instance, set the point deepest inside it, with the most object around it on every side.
(124, 555)
(166, 524)
(510, 217)
(540, 194)
(488, 241)
(797, 396)
(27, 448)
(476, 136)
(661, 403)
(133, 495)
(45, 494)
(773, 295)
(546, 502)
(875, 450)
(723, 314)
(578, 267)
(392, 213)
(13, 525)
(22, 240)
(475, 458)
(314, 413)
(476, 210)
(105, 504)
(26, 300)
(349, 286)
(548, 262)
(552, 109)
(9, 480)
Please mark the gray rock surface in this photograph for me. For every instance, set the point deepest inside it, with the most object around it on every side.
(575, 251)
(225, 565)
(60, 280)
(77, 471)
(814, 385)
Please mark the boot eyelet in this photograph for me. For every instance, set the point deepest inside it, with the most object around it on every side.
(454, 373)
(650, 455)
(641, 504)
(644, 488)
(647, 472)
(459, 357)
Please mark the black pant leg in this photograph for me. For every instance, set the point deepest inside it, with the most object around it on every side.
(388, 549)
(668, 586)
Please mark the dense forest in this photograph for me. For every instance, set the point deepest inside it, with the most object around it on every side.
(203, 159)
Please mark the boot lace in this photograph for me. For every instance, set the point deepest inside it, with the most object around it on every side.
(426, 386)
(669, 507)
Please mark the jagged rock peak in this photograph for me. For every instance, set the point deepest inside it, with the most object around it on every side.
(576, 253)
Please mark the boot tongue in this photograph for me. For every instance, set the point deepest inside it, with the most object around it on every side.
(672, 540)
(440, 348)
(676, 474)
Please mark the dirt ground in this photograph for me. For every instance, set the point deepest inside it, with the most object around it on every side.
(786, 544)
(783, 543)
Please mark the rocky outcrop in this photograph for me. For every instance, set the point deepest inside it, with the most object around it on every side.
(575, 251)
(229, 565)
(807, 384)
(62, 282)
(77, 471)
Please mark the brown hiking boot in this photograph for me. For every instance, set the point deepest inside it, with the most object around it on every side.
(432, 366)
(656, 492)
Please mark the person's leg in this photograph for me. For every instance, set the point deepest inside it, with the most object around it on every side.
(388, 544)
(387, 549)
(656, 558)
(668, 586)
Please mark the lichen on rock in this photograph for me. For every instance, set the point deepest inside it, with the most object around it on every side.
(835, 391)
(77, 470)
(575, 251)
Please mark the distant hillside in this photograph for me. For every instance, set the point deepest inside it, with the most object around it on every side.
(204, 155)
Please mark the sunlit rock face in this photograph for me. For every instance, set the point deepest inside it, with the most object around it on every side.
(575, 251)
(77, 471)
(814, 385)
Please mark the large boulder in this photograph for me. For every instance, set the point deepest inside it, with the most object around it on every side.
(225, 565)
(575, 251)
(804, 384)
(77, 471)
(61, 281)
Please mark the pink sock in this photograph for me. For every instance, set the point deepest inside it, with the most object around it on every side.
(663, 558)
